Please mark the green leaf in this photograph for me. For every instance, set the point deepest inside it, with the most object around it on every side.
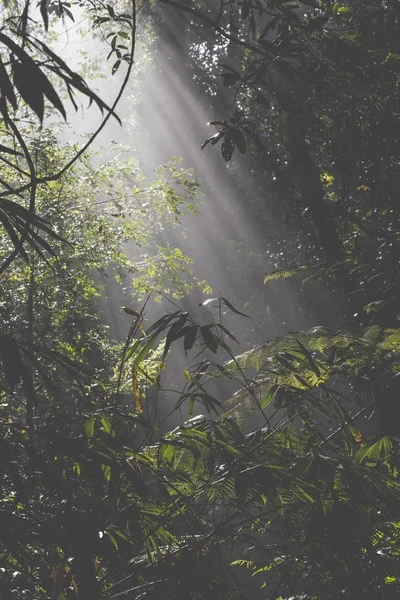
(270, 395)
(374, 451)
(345, 10)
(105, 421)
(166, 454)
(89, 427)
(112, 539)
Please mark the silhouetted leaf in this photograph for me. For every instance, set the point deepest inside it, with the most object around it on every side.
(239, 140)
(209, 339)
(6, 86)
(115, 67)
(162, 323)
(34, 78)
(44, 13)
(227, 148)
(7, 150)
(131, 312)
(175, 332)
(25, 83)
(71, 79)
(190, 337)
(214, 139)
(233, 309)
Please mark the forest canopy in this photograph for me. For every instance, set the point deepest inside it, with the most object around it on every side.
(279, 478)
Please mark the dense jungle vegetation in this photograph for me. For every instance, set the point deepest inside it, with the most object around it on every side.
(99, 498)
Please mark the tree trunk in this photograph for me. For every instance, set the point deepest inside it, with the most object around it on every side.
(312, 195)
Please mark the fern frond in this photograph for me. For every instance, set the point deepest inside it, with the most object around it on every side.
(287, 272)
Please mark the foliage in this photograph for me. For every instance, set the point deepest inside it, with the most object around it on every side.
(310, 91)
(95, 501)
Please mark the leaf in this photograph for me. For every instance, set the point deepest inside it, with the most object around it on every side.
(106, 472)
(105, 421)
(145, 350)
(209, 339)
(373, 451)
(239, 140)
(208, 301)
(270, 395)
(115, 67)
(72, 79)
(112, 539)
(225, 330)
(310, 359)
(7, 150)
(30, 93)
(190, 337)
(175, 332)
(303, 495)
(233, 309)
(44, 13)
(162, 323)
(131, 312)
(36, 79)
(286, 273)
(6, 86)
(214, 139)
(89, 427)
(12, 234)
(166, 454)
(227, 148)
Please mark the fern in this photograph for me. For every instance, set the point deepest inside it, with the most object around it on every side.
(287, 272)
